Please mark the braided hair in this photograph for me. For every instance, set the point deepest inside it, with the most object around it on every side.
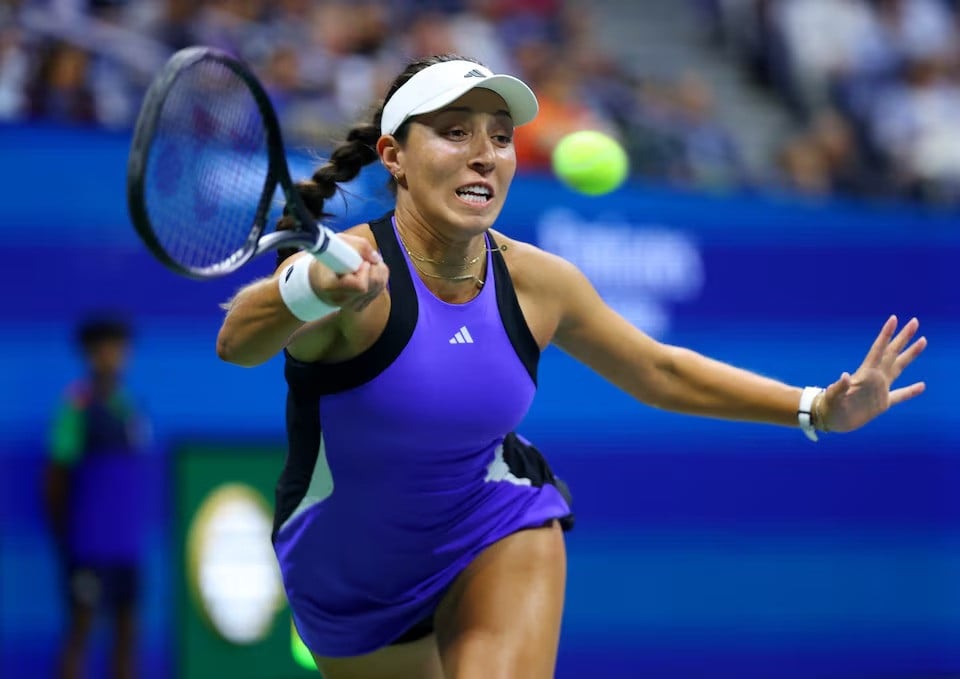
(359, 149)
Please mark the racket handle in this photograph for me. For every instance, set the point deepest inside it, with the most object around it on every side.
(336, 253)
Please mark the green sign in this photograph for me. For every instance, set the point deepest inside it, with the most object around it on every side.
(232, 617)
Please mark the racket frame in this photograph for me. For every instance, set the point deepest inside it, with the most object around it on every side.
(307, 234)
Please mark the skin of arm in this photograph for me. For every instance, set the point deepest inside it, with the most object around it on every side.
(664, 376)
(258, 324)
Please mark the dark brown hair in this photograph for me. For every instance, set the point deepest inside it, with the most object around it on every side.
(359, 149)
(102, 327)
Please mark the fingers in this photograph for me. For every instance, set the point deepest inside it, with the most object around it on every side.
(904, 336)
(897, 357)
(376, 284)
(353, 282)
(354, 291)
(906, 393)
(839, 387)
(875, 354)
(908, 356)
(366, 250)
(369, 281)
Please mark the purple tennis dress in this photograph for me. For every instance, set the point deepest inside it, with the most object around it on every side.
(415, 469)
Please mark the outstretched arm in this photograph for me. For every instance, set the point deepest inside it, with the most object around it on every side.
(259, 324)
(681, 380)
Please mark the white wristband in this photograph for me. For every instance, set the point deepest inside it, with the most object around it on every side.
(298, 294)
(805, 411)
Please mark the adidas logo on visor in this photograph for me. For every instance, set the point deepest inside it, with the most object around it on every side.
(473, 74)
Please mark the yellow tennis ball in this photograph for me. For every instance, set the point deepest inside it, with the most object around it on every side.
(590, 162)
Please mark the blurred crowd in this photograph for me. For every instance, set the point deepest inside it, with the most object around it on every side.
(872, 85)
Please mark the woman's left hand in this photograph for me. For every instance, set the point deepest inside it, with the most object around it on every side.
(853, 400)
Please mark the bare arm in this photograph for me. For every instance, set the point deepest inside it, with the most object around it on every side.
(258, 324)
(661, 375)
(681, 380)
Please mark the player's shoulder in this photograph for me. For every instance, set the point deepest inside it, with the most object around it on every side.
(514, 250)
(363, 230)
(529, 264)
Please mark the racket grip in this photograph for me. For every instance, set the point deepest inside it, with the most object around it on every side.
(338, 254)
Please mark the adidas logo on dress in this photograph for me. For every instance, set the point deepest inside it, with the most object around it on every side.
(462, 337)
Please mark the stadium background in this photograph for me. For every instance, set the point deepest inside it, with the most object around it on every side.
(703, 549)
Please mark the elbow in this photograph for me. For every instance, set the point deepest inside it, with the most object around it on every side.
(670, 360)
(225, 350)
(230, 351)
(662, 377)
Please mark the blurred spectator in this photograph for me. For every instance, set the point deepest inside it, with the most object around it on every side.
(804, 168)
(708, 156)
(60, 89)
(653, 152)
(14, 73)
(281, 77)
(168, 21)
(914, 126)
(429, 33)
(230, 25)
(562, 111)
(93, 489)
(822, 160)
(916, 29)
(476, 31)
(833, 137)
(852, 72)
(824, 39)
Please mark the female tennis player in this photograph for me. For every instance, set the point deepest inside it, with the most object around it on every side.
(417, 534)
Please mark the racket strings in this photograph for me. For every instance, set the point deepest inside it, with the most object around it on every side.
(207, 167)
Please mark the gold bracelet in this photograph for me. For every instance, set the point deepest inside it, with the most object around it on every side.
(819, 421)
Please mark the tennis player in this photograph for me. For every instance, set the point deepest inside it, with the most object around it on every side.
(417, 534)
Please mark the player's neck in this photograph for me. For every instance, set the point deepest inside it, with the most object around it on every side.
(434, 248)
(452, 278)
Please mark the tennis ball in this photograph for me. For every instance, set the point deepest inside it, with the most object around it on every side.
(590, 162)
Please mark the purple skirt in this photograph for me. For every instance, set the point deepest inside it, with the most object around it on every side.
(363, 565)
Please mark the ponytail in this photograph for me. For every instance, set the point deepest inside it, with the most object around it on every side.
(345, 163)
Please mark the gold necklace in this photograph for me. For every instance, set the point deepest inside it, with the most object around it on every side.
(455, 279)
(414, 258)
(427, 260)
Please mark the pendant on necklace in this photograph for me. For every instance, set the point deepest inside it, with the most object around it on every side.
(479, 284)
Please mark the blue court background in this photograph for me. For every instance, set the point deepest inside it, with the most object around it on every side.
(703, 549)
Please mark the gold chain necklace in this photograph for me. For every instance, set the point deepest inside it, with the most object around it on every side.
(455, 279)
(414, 258)
(427, 260)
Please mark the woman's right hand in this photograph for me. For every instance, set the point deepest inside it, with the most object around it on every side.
(354, 291)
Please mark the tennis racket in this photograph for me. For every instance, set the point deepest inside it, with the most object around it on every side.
(205, 163)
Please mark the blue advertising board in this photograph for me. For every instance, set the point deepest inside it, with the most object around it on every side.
(703, 548)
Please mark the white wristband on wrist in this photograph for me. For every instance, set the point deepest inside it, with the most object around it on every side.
(298, 294)
(805, 411)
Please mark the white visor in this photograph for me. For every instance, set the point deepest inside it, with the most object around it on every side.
(436, 86)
